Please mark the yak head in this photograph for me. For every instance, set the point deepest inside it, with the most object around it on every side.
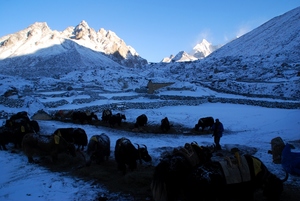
(71, 149)
(64, 146)
(143, 153)
(273, 187)
(93, 115)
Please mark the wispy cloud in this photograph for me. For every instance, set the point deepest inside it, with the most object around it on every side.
(242, 30)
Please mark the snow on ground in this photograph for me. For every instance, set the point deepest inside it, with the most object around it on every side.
(244, 124)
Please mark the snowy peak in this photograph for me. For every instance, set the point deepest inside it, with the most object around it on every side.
(26, 41)
(39, 36)
(82, 30)
(200, 51)
(203, 49)
(183, 56)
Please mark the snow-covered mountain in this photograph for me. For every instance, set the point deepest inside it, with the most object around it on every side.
(262, 63)
(180, 57)
(200, 51)
(203, 49)
(41, 49)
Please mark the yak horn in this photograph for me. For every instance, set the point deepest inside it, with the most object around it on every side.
(144, 146)
(137, 145)
(286, 177)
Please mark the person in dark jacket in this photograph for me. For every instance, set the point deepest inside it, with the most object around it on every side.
(217, 133)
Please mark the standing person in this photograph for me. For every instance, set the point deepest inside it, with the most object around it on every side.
(217, 133)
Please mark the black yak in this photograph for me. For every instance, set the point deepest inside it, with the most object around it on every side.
(98, 148)
(127, 155)
(51, 145)
(235, 179)
(165, 125)
(106, 114)
(77, 136)
(83, 117)
(6, 137)
(116, 119)
(204, 123)
(141, 121)
(20, 124)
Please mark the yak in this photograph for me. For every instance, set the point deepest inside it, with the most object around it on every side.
(51, 145)
(116, 119)
(141, 121)
(126, 154)
(35, 126)
(6, 136)
(19, 115)
(98, 148)
(77, 136)
(204, 122)
(106, 114)
(165, 125)
(19, 125)
(235, 179)
(83, 117)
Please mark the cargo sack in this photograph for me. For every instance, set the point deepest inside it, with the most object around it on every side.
(277, 145)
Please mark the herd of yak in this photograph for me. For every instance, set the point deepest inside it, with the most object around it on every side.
(186, 173)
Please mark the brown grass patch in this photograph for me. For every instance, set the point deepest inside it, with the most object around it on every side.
(134, 183)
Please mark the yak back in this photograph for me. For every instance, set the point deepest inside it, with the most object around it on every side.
(165, 124)
(77, 136)
(212, 179)
(204, 122)
(125, 151)
(141, 120)
(83, 117)
(116, 119)
(99, 148)
(127, 154)
(106, 113)
(50, 145)
(194, 153)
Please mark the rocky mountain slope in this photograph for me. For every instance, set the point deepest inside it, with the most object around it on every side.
(262, 63)
(42, 50)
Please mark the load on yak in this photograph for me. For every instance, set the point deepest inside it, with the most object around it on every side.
(179, 176)
(52, 145)
(98, 149)
(15, 128)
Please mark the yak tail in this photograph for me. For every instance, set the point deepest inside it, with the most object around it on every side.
(159, 184)
(159, 191)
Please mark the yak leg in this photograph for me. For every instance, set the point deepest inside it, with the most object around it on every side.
(122, 167)
(30, 159)
(3, 147)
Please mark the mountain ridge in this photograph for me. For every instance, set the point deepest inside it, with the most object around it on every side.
(263, 62)
(39, 36)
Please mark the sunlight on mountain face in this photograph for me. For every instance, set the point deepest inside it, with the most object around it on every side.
(261, 63)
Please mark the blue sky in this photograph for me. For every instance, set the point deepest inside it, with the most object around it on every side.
(154, 28)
